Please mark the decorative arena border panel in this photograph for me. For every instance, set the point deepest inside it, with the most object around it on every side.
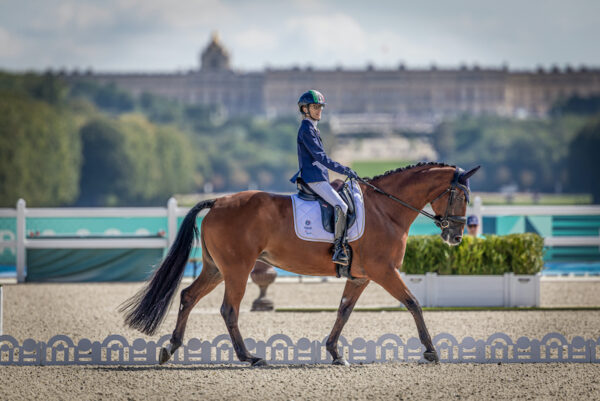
(280, 349)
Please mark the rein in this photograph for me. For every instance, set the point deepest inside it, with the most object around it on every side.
(442, 222)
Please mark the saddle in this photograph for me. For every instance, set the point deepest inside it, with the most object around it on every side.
(328, 215)
(327, 211)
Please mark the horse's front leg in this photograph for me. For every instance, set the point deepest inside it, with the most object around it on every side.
(390, 280)
(351, 294)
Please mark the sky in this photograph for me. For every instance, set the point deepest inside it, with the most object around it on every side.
(154, 36)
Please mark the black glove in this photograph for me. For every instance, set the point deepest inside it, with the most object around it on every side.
(351, 173)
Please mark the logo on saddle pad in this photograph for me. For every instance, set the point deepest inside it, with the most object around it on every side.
(307, 228)
(308, 222)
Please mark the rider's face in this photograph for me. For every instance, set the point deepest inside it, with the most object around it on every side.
(315, 111)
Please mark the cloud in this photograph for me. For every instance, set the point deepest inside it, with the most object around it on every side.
(82, 15)
(337, 36)
(158, 35)
(10, 45)
(255, 40)
(110, 34)
(67, 16)
(342, 39)
(178, 14)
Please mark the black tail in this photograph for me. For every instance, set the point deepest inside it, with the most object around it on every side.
(146, 310)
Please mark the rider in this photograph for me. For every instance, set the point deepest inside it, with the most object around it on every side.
(314, 164)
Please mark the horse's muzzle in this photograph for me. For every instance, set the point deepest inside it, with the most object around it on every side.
(451, 237)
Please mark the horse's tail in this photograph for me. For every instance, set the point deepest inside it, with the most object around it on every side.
(146, 310)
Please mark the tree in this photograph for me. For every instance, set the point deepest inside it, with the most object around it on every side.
(445, 141)
(106, 166)
(583, 161)
(581, 105)
(530, 154)
(107, 97)
(175, 160)
(39, 152)
(131, 161)
(161, 110)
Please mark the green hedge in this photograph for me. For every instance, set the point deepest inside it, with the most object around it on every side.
(517, 253)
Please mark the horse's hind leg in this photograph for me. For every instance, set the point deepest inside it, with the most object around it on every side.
(209, 278)
(393, 283)
(235, 287)
(351, 294)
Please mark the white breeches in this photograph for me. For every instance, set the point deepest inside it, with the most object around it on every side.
(326, 191)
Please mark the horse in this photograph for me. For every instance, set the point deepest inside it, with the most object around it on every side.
(254, 225)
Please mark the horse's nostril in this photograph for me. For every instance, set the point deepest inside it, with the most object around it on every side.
(458, 238)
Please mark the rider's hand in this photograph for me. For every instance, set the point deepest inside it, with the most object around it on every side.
(351, 173)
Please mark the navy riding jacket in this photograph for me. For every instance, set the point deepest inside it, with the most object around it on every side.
(311, 156)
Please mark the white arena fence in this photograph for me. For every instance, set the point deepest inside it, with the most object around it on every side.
(21, 243)
(280, 349)
(172, 212)
(481, 210)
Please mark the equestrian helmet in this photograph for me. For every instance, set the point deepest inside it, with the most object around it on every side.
(311, 97)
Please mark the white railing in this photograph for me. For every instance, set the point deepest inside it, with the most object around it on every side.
(480, 210)
(573, 241)
(22, 242)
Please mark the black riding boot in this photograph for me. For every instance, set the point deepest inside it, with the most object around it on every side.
(339, 253)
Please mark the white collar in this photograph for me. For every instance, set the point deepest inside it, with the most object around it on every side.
(313, 122)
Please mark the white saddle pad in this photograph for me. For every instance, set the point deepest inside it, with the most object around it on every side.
(309, 225)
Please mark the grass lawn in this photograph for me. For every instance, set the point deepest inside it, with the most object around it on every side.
(521, 198)
(371, 168)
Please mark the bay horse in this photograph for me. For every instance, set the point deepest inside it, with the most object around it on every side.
(251, 225)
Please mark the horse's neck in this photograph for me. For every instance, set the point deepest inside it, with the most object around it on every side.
(416, 187)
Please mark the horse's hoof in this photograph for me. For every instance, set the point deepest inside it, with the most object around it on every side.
(431, 356)
(340, 362)
(259, 363)
(164, 356)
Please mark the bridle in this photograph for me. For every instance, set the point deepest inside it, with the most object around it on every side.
(440, 221)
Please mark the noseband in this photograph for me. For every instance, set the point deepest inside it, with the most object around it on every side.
(441, 222)
(444, 222)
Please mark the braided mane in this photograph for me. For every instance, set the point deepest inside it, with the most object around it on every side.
(401, 169)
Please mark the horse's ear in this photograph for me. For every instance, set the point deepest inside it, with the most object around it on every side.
(466, 175)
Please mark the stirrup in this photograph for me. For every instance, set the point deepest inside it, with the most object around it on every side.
(340, 256)
(343, 271)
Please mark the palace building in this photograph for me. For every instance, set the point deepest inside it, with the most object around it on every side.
(371, 99)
